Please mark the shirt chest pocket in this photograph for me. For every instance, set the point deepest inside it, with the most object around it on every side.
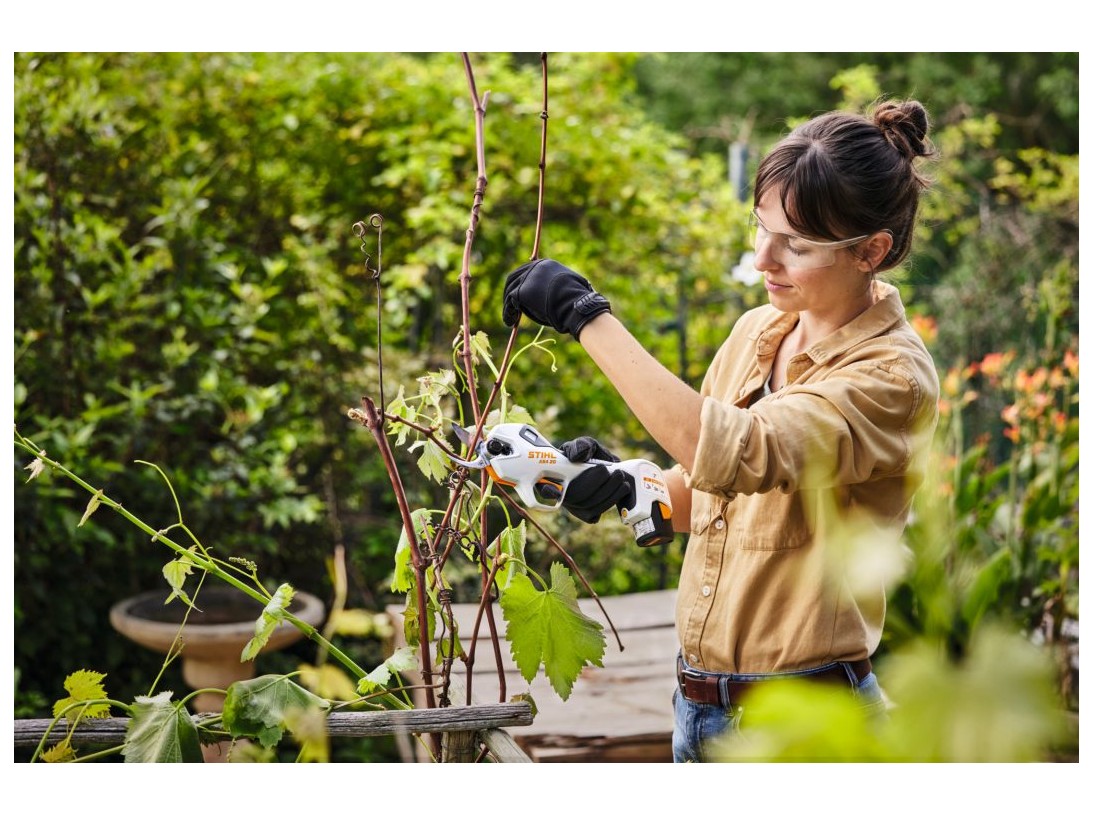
(710, 515)
(774, 521)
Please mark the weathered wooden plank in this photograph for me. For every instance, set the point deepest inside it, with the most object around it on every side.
(354, 724)
(648, 748)
(29, 732)
(504, 748)
(459, 748)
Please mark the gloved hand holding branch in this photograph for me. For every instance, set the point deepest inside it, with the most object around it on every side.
(552, 295)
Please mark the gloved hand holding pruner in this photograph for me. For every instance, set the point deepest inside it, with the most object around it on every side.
(582, 476)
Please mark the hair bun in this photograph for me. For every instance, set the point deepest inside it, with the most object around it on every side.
(905, 125)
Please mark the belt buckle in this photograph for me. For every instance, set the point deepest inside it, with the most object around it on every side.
(684, 672)
(691, 673)
(697, 682)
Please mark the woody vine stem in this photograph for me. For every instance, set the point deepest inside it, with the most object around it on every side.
(428, 555)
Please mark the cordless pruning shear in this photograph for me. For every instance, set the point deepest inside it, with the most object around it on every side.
(516, 455)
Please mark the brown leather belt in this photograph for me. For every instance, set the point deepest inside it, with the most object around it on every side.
(715, 689)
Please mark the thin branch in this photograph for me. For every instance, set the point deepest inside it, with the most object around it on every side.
(372, 419)
(503, 370)
(428, 432)
(542, 161)
(485, 602)
(465, 269)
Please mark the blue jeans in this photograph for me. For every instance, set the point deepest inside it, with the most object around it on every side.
(695, 724)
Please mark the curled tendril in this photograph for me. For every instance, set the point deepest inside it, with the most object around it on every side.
(360, 229)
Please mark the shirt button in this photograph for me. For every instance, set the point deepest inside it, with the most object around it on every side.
(694, 660)
(706, 591)
(719, 524)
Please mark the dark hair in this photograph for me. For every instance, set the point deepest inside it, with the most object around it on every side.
(841, 175)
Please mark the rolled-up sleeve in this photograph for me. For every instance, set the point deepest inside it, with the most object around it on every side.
(846, 429)
(723, 434)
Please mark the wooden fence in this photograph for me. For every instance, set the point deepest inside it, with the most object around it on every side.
(466, 731)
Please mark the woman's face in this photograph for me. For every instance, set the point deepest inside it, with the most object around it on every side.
(793, 283)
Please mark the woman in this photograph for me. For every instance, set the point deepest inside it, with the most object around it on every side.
(808, 434)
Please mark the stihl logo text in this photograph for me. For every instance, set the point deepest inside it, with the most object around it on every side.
(542, 457)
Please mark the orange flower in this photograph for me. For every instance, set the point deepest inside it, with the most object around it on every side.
(993, 364)
(1027, 382)
(1010, 415)
(951, 383)
(1071, 362)
(926, 327)
(1059, 421)
(1012, 433)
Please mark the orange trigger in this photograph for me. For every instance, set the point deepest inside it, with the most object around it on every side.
(490, 471)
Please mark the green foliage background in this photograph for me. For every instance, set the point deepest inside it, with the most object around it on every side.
(188, 290)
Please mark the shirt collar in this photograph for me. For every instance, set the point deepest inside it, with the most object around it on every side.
(876, 320)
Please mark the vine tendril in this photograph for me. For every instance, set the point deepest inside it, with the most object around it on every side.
(360, 229)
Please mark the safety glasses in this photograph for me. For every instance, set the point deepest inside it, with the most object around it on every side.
(794, 251)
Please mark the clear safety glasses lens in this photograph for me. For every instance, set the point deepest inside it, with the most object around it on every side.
(794, 251)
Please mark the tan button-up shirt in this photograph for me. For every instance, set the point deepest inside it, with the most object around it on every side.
(800, 497)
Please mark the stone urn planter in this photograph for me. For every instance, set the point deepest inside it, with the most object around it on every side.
(213, 638)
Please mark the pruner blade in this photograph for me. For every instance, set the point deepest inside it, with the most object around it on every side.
(477, 463)
(463, 434)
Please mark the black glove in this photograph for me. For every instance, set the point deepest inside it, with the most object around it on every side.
(583, 448)
(552, 295)
(597, 489)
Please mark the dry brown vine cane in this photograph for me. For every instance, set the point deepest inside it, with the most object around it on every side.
(429, 554)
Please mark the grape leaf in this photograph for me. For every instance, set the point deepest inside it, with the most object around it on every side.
(432, 462)
(357, 622)
(436, 385)
(327, 680)
(261, 708)
(548, 628)
(375, 679)
(412, 628)
(83, 686)
(404, 659)
(309, 728)
(403, 578)
(510, 542)
(480, 349)
(59, 753)
(175, 573)
(513, 413)
(398, 407)
(161, 731)
(272, 614)
(480, 344)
